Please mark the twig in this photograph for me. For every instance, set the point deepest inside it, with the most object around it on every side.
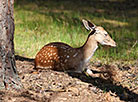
(134, 44)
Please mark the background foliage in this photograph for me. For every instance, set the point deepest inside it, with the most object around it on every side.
(39, 22)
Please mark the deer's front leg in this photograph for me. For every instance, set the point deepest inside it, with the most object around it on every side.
(88, 72)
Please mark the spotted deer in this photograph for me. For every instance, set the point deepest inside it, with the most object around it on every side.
(62, 57)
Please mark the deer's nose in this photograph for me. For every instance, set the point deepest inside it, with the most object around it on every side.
(114, 45)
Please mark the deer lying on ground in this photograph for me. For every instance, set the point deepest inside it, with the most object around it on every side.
(62, 57)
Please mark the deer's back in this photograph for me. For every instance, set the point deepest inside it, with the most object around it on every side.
(58, 56)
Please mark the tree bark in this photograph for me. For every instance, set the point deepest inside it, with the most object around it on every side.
(8, 74)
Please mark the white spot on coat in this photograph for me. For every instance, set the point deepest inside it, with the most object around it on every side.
(67, 56)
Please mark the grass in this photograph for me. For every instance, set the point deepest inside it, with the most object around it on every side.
(38, 23)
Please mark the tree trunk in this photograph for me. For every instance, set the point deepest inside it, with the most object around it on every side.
(8, 74)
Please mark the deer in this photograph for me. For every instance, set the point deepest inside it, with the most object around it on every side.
(62, 57)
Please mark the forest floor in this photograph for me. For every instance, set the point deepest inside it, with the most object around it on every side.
(116, 82)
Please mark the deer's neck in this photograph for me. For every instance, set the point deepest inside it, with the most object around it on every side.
(89, 48)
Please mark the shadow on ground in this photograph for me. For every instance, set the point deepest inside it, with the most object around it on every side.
(21, 58)
(107, 85)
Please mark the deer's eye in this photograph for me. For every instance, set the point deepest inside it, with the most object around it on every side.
(105, 34)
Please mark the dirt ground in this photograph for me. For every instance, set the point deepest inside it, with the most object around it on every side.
(110, 83)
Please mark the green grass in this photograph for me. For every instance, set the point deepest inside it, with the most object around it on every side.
(38, 23)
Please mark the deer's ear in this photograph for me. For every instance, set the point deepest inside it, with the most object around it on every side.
(88, 25)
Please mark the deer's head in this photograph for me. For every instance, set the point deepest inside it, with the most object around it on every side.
(99, 33)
